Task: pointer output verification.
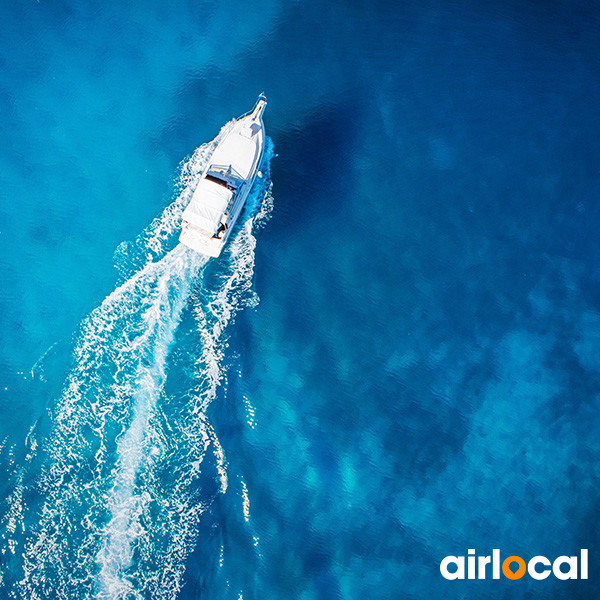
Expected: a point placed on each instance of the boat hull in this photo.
(225, 184)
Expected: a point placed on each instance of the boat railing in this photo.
(227, 172)
(232, 200)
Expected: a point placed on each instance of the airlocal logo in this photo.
(514, 567)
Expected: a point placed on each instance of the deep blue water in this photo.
(396, 359)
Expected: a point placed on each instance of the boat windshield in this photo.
(227, 183)
(217, 180)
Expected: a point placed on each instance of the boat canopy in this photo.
(207, 205)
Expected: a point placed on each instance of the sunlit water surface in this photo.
(394, 360)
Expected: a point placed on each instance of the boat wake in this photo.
(107, 503)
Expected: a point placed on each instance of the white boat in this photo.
(225, 184)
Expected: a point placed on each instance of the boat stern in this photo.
(200, 242)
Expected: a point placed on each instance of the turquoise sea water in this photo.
(397, 357)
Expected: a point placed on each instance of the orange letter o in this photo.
(519, 572)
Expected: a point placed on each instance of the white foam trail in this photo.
(94, 409)
(116, 506)
(180, 505)
(129, 335)
(161, 319)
